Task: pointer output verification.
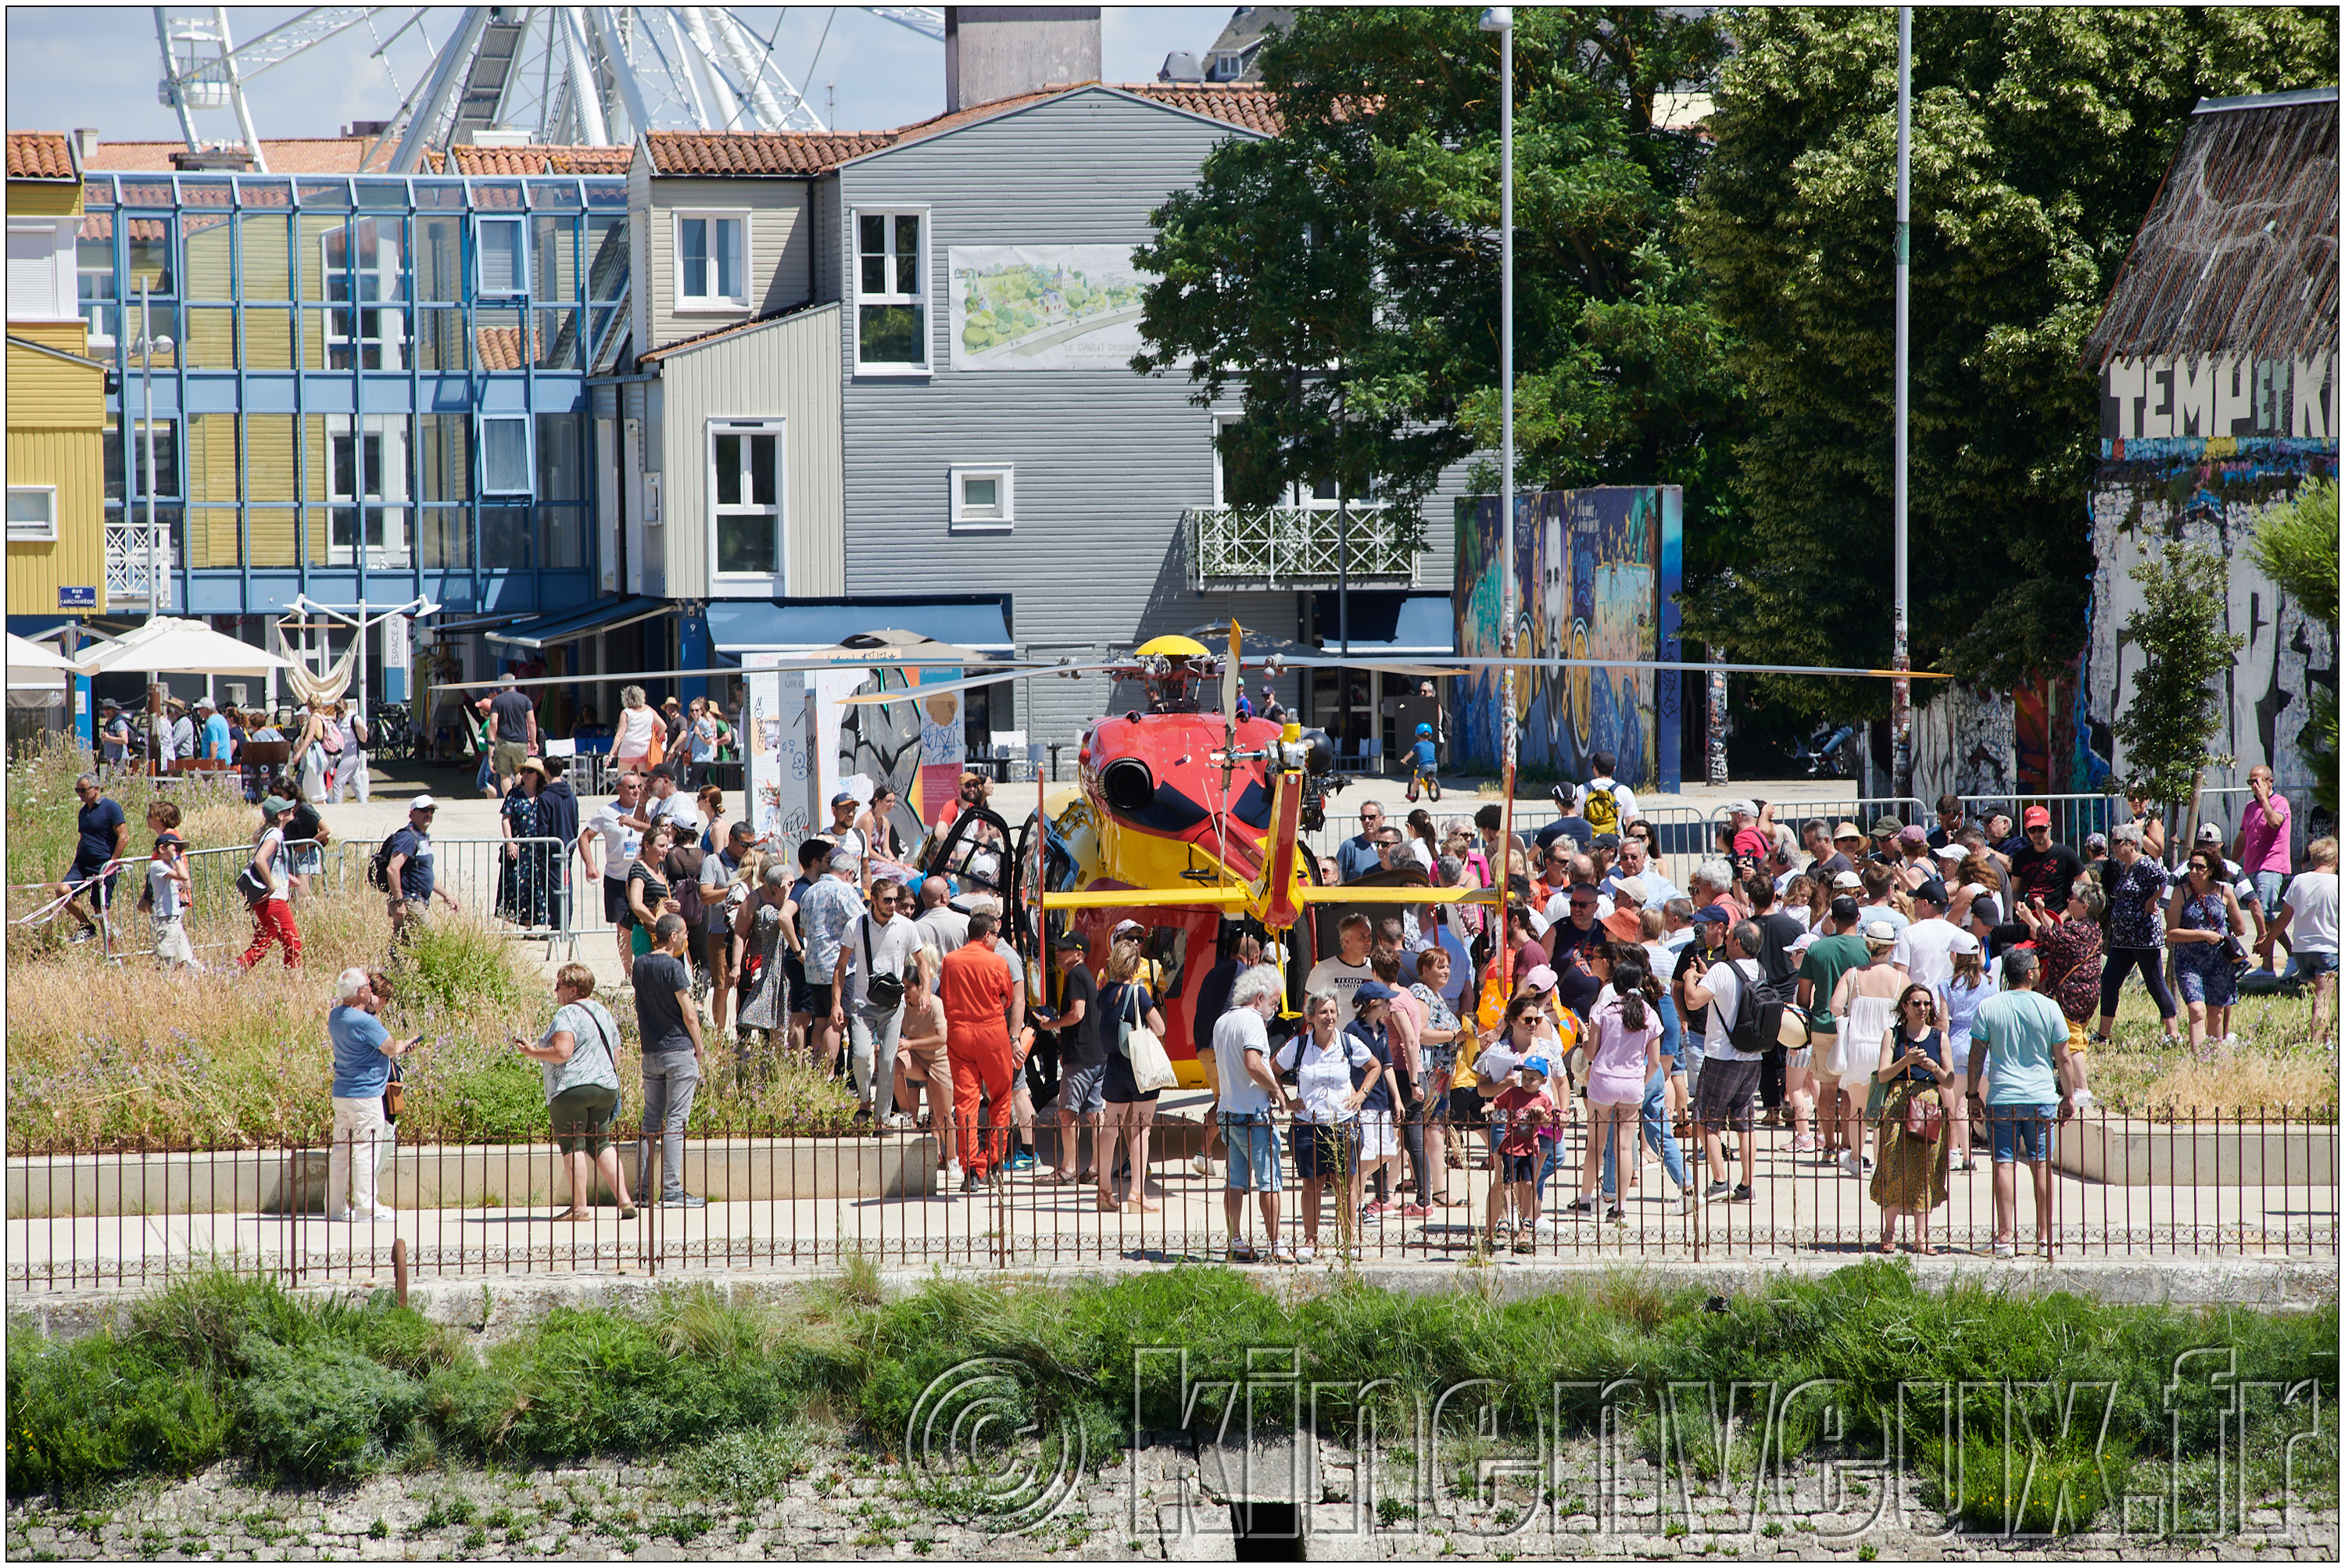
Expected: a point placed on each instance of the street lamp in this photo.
(1500, 19)
(145, 346)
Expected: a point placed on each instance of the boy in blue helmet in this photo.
(1424, 770)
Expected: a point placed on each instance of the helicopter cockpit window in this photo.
(1168, 947)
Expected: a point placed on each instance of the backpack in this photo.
(1601, 812)
(1746, 1031)
(684, 864)
(379, 863)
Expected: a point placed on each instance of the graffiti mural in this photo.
(1596, 573)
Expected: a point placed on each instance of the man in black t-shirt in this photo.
(1779, 970)
(512, 731)
(2042, 871)
(101, 834)
(1082, 1056)
(668, 1025)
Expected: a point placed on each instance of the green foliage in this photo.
(1343, 275)
(2184, 652)
(2295, 544)
(101, 1408)
(322, 1412)
(2039, 139)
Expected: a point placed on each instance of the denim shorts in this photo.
(2021, 1132)
(1522, 1168)
(2313, 965)
(1079, 1090)
(2268, 890)
(1253, 1142)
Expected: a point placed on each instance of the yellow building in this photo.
(56, 393)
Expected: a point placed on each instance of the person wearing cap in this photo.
(272, 912)
(1865, 1001)
(1958, 1003)
(1883, 834)
(1334, 1071)
(1915, 863)
(183, 732)
(1526, 1130)
(169, 891)
(827, 910)
(525, 880)
(213, 740)
(511, 729)
(409, 874)
(1827, 959)
(844, 809)
(1753, 826)
(1925, 947)
(2041, 870)
(1372, 1026)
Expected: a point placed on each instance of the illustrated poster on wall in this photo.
(1044, 307)
(780, 762)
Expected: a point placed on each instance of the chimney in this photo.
(996, 52)
(1181, 66)
(86, 143)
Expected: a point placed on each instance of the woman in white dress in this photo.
(1866, 1003)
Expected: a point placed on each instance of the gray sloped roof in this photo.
(2239, 253)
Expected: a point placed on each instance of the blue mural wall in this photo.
(1597, 575)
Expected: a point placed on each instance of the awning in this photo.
(979, 622)
(1386, 625)
(604, 615)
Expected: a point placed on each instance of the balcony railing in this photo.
(126, 557)
(1303, 547)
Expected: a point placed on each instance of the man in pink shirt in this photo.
(2261, 849)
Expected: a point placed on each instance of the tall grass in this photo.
(217, 1366)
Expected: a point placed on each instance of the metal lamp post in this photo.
(1500, 19)
(1901, 689)
(146, 345)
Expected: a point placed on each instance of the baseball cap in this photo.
(1987, 907)
(1847, 831)
(687, 821)
(168, 837)
(1844, 908)
(270, 804)
(1605, 841)
(1911, 834)
(1124, 926)
(1068, 941)
(1541, 978)
(844, 798)
(1880, 930)
(1935, 890)
(1847, 879)
(2209, 833)
(1532, 1064)
(1953, 854)
(1742, 809)
(1884, 825)
(1373, 991)
(2036, 816)
(1964, 941)
(203, 702)
(423, 803)
(1710, 914)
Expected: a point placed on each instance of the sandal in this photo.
(1108, 1205)
(571, 1215)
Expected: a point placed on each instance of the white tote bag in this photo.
(1152, 1069)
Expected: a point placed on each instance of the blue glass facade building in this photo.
(376, 388)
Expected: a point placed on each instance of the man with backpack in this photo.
(1732, 1049)
(407, 875)
(1604, 803)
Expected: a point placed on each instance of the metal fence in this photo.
(2259, 1184)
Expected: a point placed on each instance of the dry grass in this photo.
(2278, 1065)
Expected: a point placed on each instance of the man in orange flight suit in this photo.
(975, 989)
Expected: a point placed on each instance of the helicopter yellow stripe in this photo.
(1147, 897)
(1346, 895)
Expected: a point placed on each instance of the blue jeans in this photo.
(1655, 1115)
(1252, 1140)
(2022, 1132)
(670, 1078)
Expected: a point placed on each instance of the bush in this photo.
(322, 1412)
(101, 1410)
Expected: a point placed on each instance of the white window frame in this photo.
(57, 240)
(709, 304)
(33, 532)
(1294, 499)
(1006, 474)
(528, 451)
(520, 226)
(94, 308)
(381, 306)
(386, 494)
(920, 297)
(758, 585)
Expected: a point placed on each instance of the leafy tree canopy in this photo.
(1343, 275)
(2174, 717)
(2295, 544)
(2039, 138)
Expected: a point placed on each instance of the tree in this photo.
(1344, 274)
(2174, 714)
(2039, 139)
(2295, 544)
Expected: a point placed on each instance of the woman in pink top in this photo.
(2262, 852)
(1625, 1030)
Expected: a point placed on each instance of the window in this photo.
(164, 437)
(94, 275)
(359, 266)
(504, 256)
(710, 272)
(890, 320)
(744, 487)
(983, 496)
(31, 512)
(34, 294)
(504, 454)
(365, 470)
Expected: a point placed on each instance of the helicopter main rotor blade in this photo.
(1467, 665)
(783, 667)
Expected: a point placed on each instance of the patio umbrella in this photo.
(168, 645)
(33, 667)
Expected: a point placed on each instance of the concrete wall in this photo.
(996, 52)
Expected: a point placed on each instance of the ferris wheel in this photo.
(593, 75)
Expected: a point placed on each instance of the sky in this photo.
(69, 66)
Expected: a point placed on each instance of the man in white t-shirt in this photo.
(1610, 816)
(1925, 950)
(1728, 1077)
(607, 845)
(879, 941)
(2308, 918)
(1347, 968)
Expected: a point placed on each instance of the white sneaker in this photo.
(2083, 1100)
(1305, 1254)
(1201, 1165)
(1849, 1165)
(380, 1213)
(952, 1177)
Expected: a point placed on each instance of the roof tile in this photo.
(542, 159)
(718, 154)
(292, 154)
(40, 155)
(1250, 107)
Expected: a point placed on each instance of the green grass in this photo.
(733, 1394)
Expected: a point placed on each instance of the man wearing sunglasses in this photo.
(1358, 855)
(2042, 871)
